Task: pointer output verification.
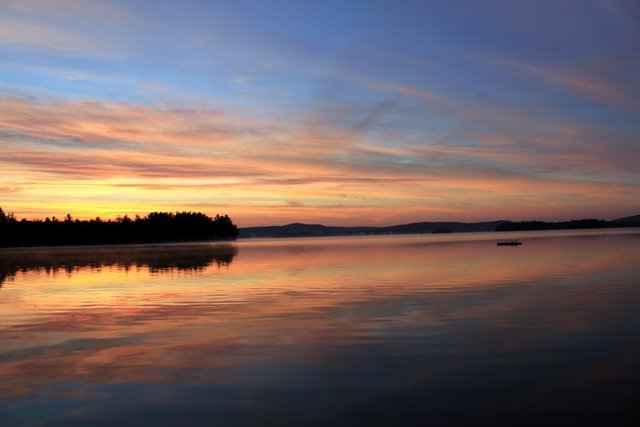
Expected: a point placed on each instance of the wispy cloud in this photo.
(58, 27)
(584, 81)
(119, 152)
(38, 36)
(238, 80)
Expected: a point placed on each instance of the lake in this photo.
(371, 330)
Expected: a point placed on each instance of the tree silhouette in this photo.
(155, 227)
(563, 225)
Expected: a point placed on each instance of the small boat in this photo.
(510, 243)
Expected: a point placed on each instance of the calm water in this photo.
(398, 330)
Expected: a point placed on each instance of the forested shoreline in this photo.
(167, 227)
(156, 227)
(574, 224)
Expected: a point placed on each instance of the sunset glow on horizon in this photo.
(340, 113)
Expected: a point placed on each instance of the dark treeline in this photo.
(156, 227)
(562, 225)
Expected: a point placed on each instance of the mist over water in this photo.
(390, 330)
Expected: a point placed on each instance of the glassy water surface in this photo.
(394, 330)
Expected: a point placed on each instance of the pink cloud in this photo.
(86, 157)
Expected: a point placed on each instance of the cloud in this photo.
(428, 96)
(7, 190)
(67, 9)
(109, 123)
(40, 36)
(237, 80)
(584, 81)
(90, 157)
(59, 27)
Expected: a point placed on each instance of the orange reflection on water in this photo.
(155, 317)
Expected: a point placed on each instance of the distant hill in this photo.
(302, 230)
(311, 230)
(634, 218)
(442, 227)
(315, 230)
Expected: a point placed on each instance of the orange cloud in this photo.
(105, 158)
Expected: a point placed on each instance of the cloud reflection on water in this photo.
(341, 331)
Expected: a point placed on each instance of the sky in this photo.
(336, 112)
